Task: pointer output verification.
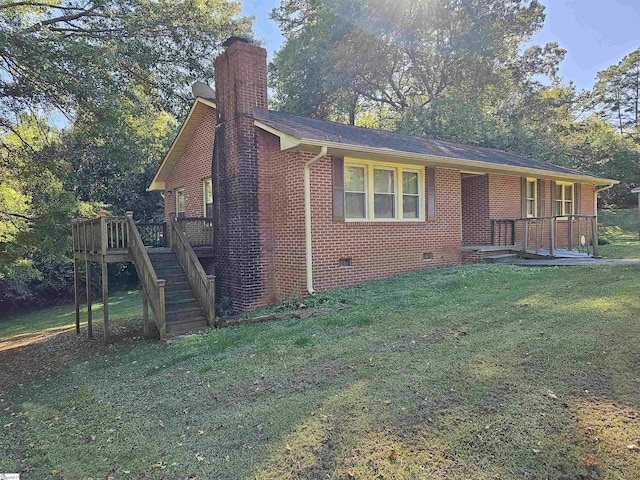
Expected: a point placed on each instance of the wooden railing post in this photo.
(525, 235)
(594, 235)
(552, 236)
(145, 315)
(211, 287)
(493, 232)
(162, 320)
(103, 232)
(570, 232)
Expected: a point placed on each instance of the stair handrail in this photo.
(202, 285)
(152, 287)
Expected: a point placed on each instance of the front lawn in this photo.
(460, 373)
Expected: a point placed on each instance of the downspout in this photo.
(595, 197)
(307, 217)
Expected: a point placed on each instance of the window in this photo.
(531, 196)
(376, 191)
(207, 190)
(180, 211)
(411, 194)
(355, 191)
(564, 199)
(384, 196)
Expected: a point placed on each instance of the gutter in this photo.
(307, 217)
(595, 197)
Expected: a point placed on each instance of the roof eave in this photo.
(288, 142)
(158, 182)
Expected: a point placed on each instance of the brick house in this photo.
(298, 204)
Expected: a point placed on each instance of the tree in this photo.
(89, 93)
(616, 94)
(403, 54)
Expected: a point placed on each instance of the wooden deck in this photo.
(107, 240)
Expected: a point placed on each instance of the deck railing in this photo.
(99, 235)
(578, 232)
(153, 289)
(153, 234)
(202, 285)
(198, 231)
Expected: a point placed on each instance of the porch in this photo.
(167, 259)
(549, 237)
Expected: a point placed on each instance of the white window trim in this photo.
(204, 194)
(184, 200)
(369, 189)
(563, 214)
(535, 196)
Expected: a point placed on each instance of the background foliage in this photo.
(90, 94)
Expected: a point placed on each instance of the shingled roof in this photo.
(319, 131)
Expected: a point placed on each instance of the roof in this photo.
(198, 110)
(301, 132)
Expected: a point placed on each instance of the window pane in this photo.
(384, 205)
(568, 192)
(531, 189)
(410, 206)
(531, 206)
(208, 191)
(354, 205)
(410, 182)
(559, 209)
(354, 179)
(558, 192)
(383, 181)
(568, 208)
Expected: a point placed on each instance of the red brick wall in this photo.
(193, 166)
(241, 85)
(376, 249)
(476, 226)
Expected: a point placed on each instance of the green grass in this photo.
(620, 228)
(124, 308)
(467, 372)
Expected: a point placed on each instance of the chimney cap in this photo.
(233, 39)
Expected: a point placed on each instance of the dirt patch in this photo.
(433, 338)
(26, 363)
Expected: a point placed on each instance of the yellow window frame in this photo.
(398, 169)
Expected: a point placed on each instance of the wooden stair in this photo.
(183, 313)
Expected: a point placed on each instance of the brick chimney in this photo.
(241, 86)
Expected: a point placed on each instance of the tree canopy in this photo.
(90, 92)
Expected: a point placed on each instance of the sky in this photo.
(595, 33)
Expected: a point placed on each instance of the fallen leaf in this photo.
(200, 432)
(393, 456)
(199, 457)
(157, 465)
(550, 394)
(351, 474)
(633, 447)
(590, 462)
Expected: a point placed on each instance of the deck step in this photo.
(197, 324)
(503, 258)
(183, 314)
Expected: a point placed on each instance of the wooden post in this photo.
(145, 315)
(525, 235)
(162, 327)
(105, 300)
(552, 236)
(594, 235)
(76, 291)
(211, 317)
(570, 232)
(89, 312)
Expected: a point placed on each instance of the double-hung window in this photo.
(180, 205)
(531, 196)
(207, 192)
(385, 192)
(564, 198)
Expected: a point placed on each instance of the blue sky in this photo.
(595, 33)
